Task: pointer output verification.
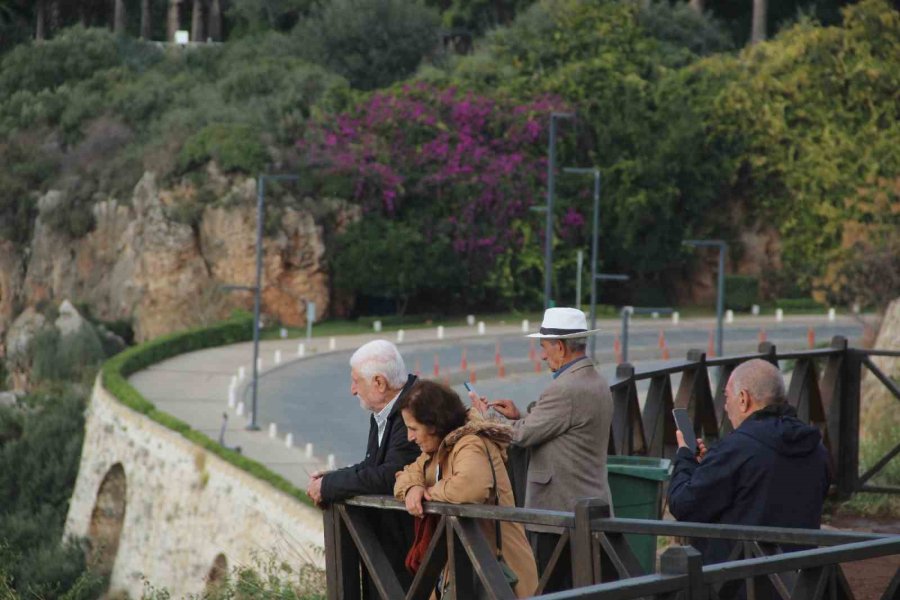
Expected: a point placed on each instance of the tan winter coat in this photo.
(466, 479)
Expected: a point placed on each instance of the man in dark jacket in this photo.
(771, 470)
(378, 378)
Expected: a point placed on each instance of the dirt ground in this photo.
(869, 578)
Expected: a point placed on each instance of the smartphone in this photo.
(684, 425)
(470, 388)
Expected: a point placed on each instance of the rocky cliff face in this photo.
(138, 264)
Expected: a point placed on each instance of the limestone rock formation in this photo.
(878, 404)
(141, 264)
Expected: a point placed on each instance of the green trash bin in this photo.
(636, 484)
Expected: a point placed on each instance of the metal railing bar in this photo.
(879, 465)
(534, 516)
(628, 589)
(771, 535)
(877, 352)
(880, 489)
(802, 559)
(887, 381)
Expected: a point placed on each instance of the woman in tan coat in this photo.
(454, 467)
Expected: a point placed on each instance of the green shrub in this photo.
(370, 42)
(741, 291)
(798, 304)
(38, 467)
(234, 147)
(55, 357)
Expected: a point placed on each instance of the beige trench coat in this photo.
(466, 479)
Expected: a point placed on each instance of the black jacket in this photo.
(772, 470)
(376, 475)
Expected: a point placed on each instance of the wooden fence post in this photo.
(583, 559)
(685, 560)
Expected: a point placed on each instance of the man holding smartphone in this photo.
(771, 470)
(567, 432)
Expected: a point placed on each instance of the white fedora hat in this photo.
(563, 324)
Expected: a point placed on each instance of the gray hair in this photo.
(761, 379)
(575, 345)
(380, 357)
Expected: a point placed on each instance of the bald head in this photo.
(760, 379)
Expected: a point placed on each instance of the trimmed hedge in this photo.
(789, 304)
(115, 374)
(741, 291)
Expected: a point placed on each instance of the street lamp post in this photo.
(720, 296)
(595, 232)
(551, 167)
(257, 289)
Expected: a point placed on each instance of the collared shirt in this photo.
(382, 416)
(563, 368)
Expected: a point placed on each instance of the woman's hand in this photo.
(414, 496)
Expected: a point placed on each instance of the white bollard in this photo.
(440, 332)
(233, 381)
(480, 327)
(729, 316)
(675, 318)
(330, 461)
(241, 372)
(278, 357)
(240, 409)
(654, 315)
(856, 308)
(525, 326)
(332, 343)
(377, 326)
(273, 430)
(779, 315)
(289, 440)
(309, 450)
(400, 334)
(470, 320)
(283, 333)
(301, 350)
(832, 315)
(232, 398)
(259, 364)
(754, 310)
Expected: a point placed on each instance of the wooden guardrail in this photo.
(603, 564)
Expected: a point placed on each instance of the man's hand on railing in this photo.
(314, 488)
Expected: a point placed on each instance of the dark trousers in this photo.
(543, 545)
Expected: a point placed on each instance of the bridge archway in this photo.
(218, 573)
(107, 519)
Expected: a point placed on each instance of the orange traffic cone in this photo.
(463, 363)
(711, 346)
(501, 370)
(437, 366)
(662, 339)
(811, 337)
(418, 370)
(762, 335)
(497, 358)
(472, 377)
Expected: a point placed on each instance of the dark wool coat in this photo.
(772, 470)
(375, 475)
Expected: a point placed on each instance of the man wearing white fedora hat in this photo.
(567, 431)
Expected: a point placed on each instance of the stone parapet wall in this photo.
(180, 507)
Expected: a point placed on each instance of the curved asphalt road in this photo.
(311, 397)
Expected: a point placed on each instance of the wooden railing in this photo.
(603, 564)
(830, 401)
